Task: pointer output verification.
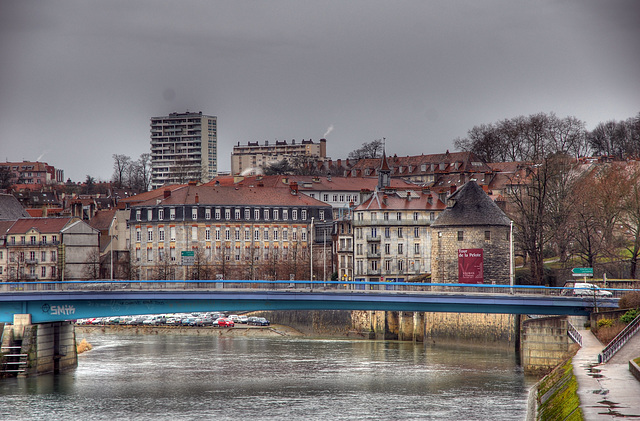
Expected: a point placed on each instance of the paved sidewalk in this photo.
(606, 391)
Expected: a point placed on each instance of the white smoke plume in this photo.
(329, 130)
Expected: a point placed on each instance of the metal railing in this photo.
(574, 334)
(618, 342)
(289, 285)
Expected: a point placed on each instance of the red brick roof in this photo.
(43, 225)
(409, 200)
(233, 195)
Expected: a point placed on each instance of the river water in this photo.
(149, 377)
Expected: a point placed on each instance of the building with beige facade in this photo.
(247, 159)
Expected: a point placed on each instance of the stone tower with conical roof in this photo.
(474, 231)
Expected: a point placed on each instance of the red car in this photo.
(223, 322)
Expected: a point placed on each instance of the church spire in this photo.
(384, 172)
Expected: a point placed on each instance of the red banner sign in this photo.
(470, 266)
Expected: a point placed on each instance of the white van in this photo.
(584, 289)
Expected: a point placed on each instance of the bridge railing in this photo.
(618, 342)
(288, 285)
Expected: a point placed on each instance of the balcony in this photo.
(31, 261)
(373, 255)
(375, 239)
(373, 271)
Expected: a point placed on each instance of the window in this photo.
(138, 235)
(217, 234)
(342, 197)
(149, 214)
(400, 265)
(161, 234)
(399, 216)
(207, 213)
(335, 197)
(43, 272)
(149, 255)
(359, 216)
(294, 214)
(325, 197)
(32, 256)
(285, 235)
(217, 213)
(247, 234)
(275, 234)
(43, 256)
(415, 216)
(149, 234)
(460, 235)
(247, 213)
(160, 214)
(374, 216)
(303, 214)
(416, 232)
(359, 249)
(172, 254)
(237, 234)
(172, 233)
(256, 234)
(387, 232)
(207, 234)
(276, 214)
(294, 234)
(285, 214)
(385, 216)
(374, 232)
(399, 232)
(172, 214)
(266, 234)
(137, 255)
(194, 213)
(416, 248)
(432, 216)
(387, 249)
(194, 233)
(138, 215)
(54, 256)
(227, 214)
(32, 239)
(54, 272)
(44, 241)
(487, 235)
(160, 254)
(400, 248)
(303, 235)
(266, 214)
(321, 215)
(374, 265)
(237, 214)
(256, 214)
(387, 265)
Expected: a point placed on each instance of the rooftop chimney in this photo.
(167, 193)
(409, 196)
(294, 188)
(197, 198)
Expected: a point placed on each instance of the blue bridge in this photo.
(70, 300)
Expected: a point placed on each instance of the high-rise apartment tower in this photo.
(183, 148)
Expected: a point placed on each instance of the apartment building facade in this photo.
(230, 232)
(247, 159)
(184, 147)
(48, 249)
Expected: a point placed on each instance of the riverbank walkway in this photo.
(606, 391)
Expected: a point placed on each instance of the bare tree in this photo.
(371, 149)
(121, 164)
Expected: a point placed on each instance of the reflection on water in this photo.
(230, 378)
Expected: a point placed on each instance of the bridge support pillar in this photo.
(406, 327)
(385, 325)
(544, 343)
(418, 326)
(33, 349)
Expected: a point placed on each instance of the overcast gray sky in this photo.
(80, 79)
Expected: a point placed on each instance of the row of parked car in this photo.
(191, 319)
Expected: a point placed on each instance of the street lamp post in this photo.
(311, 252)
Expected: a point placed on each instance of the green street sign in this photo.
(187, 254)
(582, 271)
